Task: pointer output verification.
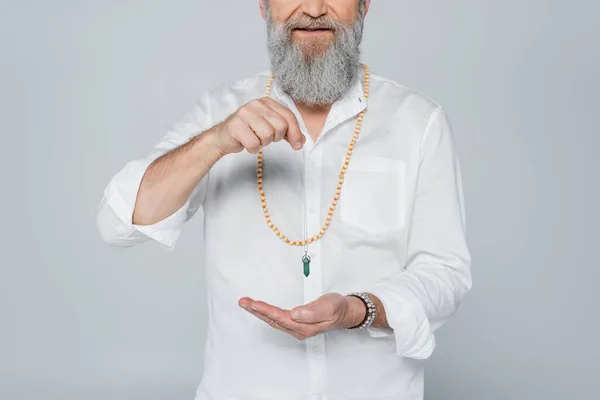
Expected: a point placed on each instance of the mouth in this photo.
(312, 30)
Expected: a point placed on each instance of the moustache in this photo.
(313, 23)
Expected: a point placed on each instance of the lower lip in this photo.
(312, 33)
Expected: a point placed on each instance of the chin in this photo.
(314, 47)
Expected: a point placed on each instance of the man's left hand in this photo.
(330, 311)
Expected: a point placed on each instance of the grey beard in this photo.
(322, 79)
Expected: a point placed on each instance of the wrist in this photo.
(207, 144)
(355, 312)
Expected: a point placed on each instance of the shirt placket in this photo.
(313, 284)
(313, 288)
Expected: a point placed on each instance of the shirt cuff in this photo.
(380, 332)
(122, 195)
(407, 320)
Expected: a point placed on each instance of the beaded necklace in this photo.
(319, 235)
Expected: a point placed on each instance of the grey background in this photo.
(86, 86)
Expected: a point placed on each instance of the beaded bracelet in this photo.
(369, 315)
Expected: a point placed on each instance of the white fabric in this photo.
(398, 232)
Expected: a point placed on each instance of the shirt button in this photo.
(317, 351)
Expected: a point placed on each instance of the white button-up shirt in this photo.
(398, 232)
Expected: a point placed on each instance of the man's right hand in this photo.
(259, 122)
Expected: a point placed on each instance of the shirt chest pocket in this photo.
(372, 198)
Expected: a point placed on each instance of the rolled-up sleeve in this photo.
(114, 216)
(437, 275)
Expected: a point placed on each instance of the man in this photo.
(334, 217)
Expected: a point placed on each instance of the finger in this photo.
(275, 325)
(262, 129)
(313, 313)
(251, 113)
(294, 134)
(283, 318)
(255, 112)
(244, 135)
(305, 315)
(244, 302)
(275, 313)
(278, 123)
(249, 140)
(260, 107)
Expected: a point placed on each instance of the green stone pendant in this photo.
(306, 262)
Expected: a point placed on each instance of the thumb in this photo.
(297, 139)
(306, 314)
